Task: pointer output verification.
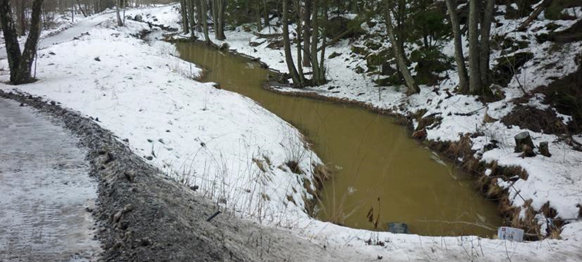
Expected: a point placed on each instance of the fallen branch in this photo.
(534, 14)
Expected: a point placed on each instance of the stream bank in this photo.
(472, 134)
(398, 180)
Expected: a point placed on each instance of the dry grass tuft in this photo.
(294, 167)
(321, 174)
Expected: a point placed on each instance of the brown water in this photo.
(375, 162)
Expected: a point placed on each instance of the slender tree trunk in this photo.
(197, 4)
(184, 7)
(323, 44)
(314, 41)
(204, 11)
(191, 5)
(221, 6)
(266, 14)
(81, 9)
(119, 21)
(485, 42)
(20, 64)
(307, 33)
(474, 53)
(287, 46)
(399, 54)
(299, 42)
(214, 10)
(124, 4)
(459, 56)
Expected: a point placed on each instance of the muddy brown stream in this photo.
(376, 164)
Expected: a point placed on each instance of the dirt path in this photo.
(44, 190)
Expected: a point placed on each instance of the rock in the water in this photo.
(523, 142)
(545, 149)
(398, 228)
(138, 18)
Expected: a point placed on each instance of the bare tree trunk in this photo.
(213, 5)
(299, 42)
(204, 20)
(191, 16)
(287, 46)
(258, 14)
(20, 64)
(459, 56)
(474, 71)
(316, 78)
(266, 14)
(21, 14)
(81, 9)
(124, 3)
(306, 33)
(184, 8)
(219, 23)
(119, 21)
(399, 54)
(323, 43)
(10, 39)
(485, 42)
(196, 4)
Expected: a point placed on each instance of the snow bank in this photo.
(227, 145)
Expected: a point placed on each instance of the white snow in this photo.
(214, 138)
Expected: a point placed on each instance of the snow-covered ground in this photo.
(236, 151)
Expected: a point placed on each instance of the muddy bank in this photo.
(144, 216)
